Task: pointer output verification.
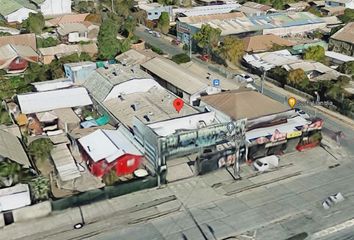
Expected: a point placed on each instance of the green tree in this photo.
(164, 22)
(181, 58)
(108, 44)
(296, 77)
(347, 68)
(278, 73)
(12, 173)
(40, 187)
(316, 53)
(348, 16)
(232, 49)
(40, 149)
(278, 4)
(34, 23)
(46, 42)
(207, 37)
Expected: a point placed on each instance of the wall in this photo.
(341, 47)
(31, 212)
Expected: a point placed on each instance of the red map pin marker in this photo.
(178, 104)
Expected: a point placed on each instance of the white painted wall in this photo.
(56, 7)
(19, 16)
(132, 86)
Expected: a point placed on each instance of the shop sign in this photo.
(293, 134)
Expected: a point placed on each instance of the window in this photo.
(130, 162)
(156, 13)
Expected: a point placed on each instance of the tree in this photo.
(347, 68)
(316, 53)
(129, 26)
(40, 188)
(207, 37)
(296, 77)
(40, 149)
(46, 42)
(12, 173)
(107, 41)
(278, 4)
(34, 23)
(164, 22)
(348, 16)
(278, 73)
(232, 49)
(181, 58)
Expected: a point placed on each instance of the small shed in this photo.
(14, 197)
(67, 119)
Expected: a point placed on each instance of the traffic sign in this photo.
(216, 82)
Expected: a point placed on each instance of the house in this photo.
(271, 127)
(15, 58)
(68, 18)
(79, 72)
(297, 6)
(11, 148)
(37, 102)
(53, 7)
(340, 3)
(107, 150)
(47, 55)
(317, 4)
(343, 40)
(154, 10)
(78, 32)
(14, 197)
(12, 31)
(258, 6)
(263, 43)
(22, 39)
(204, 10)
(135, 57)
(16, 11)
(333, 11)
(338, 58)
(184, 83)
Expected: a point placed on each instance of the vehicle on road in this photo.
(332, 200)
(244, 78)
(266, 163)
(302, 113)
(250, 86)
(156, 34)
(148, 30)
(175, 42)
(204, 57)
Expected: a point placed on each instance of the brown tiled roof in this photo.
(262, 43)
(346, 34)
(22, 39)
(244, 103)
(70, 18)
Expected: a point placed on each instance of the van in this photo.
(266, 163)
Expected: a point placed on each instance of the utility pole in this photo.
(190, 46)
(262, 80)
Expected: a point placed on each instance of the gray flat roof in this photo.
(11, 147)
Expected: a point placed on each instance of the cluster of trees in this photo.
(348, 16)
(34, 23)
(315, 53)
(181, 58)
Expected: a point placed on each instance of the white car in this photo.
(244, 78)
(156, 34)
(148, 30)
(302, 113)
(266, 163)
(332, 200)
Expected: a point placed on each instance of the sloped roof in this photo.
(11, 147)
(262, 43)
(346, 34)
(22, 39)
(67, 28)
(109, 144)
(69, 18)
(9, 6)
(63, 49)
(50, 100)
(240, 104)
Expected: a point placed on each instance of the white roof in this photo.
(64, 162)
(52, 84)
(50, 100)
(14, 197)
(206, 10)
(108, 144)
(283, 128)
(339, 56)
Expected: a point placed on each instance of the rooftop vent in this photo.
(146, 117)
(121, 97)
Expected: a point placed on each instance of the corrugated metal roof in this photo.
(50, 100)
(11, 147)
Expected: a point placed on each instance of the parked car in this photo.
(156, 34)
(244, 78)
(332, 200)
(175, 42)
(148, 30)
(204, 57)
(302, 113)
(250, 86)
(266, 163)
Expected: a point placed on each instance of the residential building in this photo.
(53, 7)
(52, 84)
(338, 58)
(204, 10)
(333, 11)
(69, 18)
(263, 43)
(154, 10)
(237, 23)
(16, 10)
(343, 40)
(80, 71)
(178, 80)
(15, 58)
(78, 32)
(47, 55)
(258, 6)
(135, 57)
(272, 128)
(340, 3)
(297, 6)
(107, 150)
(211, 2)
(22, 39)
(317, 4)
(12, 31)
(14, 197)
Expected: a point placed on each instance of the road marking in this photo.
(334, 229)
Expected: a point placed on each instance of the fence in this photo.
(104, 193)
